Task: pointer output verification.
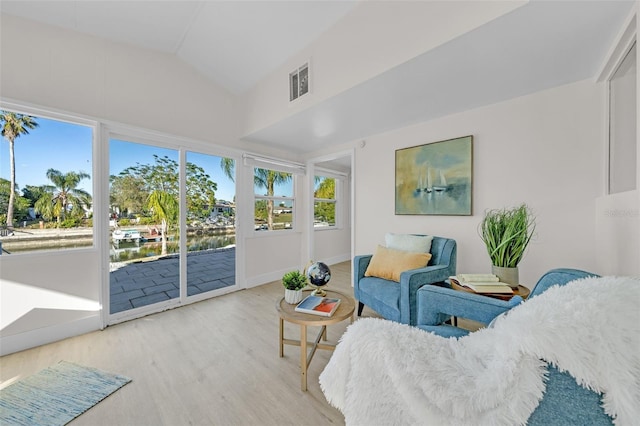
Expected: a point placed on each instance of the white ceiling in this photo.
(540, 45)
(235, 43)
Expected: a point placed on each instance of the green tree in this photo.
(13, 126)
(21, 207)
(326, 188)
(64, 198)
(262, 178)
(136, 183)
(127, 193)
(33, 193)
(323, 210)
(201, 191)
(164, 208)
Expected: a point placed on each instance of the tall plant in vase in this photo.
(506, 234)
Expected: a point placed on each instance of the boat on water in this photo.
(443, 184)
(126, 235)
(424, 182)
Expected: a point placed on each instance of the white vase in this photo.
(506, 275)
(292, 296)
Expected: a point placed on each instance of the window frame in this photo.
(620, 49)
(334, 201)
(340, 180)
(251, 162)
(79, 120)
(614, 145)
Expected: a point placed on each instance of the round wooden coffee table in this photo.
(287, 312)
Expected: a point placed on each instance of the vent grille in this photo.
(299, 82)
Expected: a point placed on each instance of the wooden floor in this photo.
(210, 363)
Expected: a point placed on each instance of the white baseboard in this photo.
(42, 336)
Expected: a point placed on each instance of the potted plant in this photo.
(506, 234)
(293, 282)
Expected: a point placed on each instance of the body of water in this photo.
(127, 251)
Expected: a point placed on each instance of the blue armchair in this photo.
(397, 301)
(565, 402)
(435, 305)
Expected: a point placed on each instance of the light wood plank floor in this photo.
(210, 363)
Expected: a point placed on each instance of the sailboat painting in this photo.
(435, 178)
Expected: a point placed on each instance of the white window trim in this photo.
(617, 53)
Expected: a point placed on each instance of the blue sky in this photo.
(51, 145)
(67, 147)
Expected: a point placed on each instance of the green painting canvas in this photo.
(435, 178)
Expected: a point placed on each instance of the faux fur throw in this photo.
(384, 373)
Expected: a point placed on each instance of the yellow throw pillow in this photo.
(389, 263)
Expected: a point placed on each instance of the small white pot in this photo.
(292, 296)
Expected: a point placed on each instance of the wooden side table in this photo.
(287, 313)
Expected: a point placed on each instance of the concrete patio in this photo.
(144, 283)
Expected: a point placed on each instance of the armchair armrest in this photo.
(360, 264)
(436, 303)
(411, 281)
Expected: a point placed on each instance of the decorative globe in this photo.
(319, 275)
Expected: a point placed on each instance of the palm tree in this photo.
(64, 196)
(164, 208)
(13, 126)
(262, 178)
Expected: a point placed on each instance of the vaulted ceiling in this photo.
(540, 45)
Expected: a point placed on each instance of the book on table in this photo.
(318, 305)
(482, 283)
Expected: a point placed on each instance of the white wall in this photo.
(52, 67)
(544, 149)
(56, 69)
(374, 37)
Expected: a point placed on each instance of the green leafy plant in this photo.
(294, 280)
(506, 234)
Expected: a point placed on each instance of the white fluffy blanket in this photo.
(388, 373)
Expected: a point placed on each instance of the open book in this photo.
(482, 283)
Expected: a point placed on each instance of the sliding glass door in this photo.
(211, 224)
(152, 239)
(144, 212)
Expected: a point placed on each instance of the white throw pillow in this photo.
(408, 242)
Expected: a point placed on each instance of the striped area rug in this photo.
(56, 395)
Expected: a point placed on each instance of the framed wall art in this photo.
(435, 178)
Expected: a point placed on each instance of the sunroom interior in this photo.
(530, 81)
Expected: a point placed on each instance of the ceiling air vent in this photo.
(299, 82)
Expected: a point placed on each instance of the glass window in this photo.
(324, 205)
(623, 126)
(274, 200)
(46, 184)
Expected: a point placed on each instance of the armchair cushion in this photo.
(409, 242)
(389, 263)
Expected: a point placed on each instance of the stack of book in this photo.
(482, 283)
(317, 305)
